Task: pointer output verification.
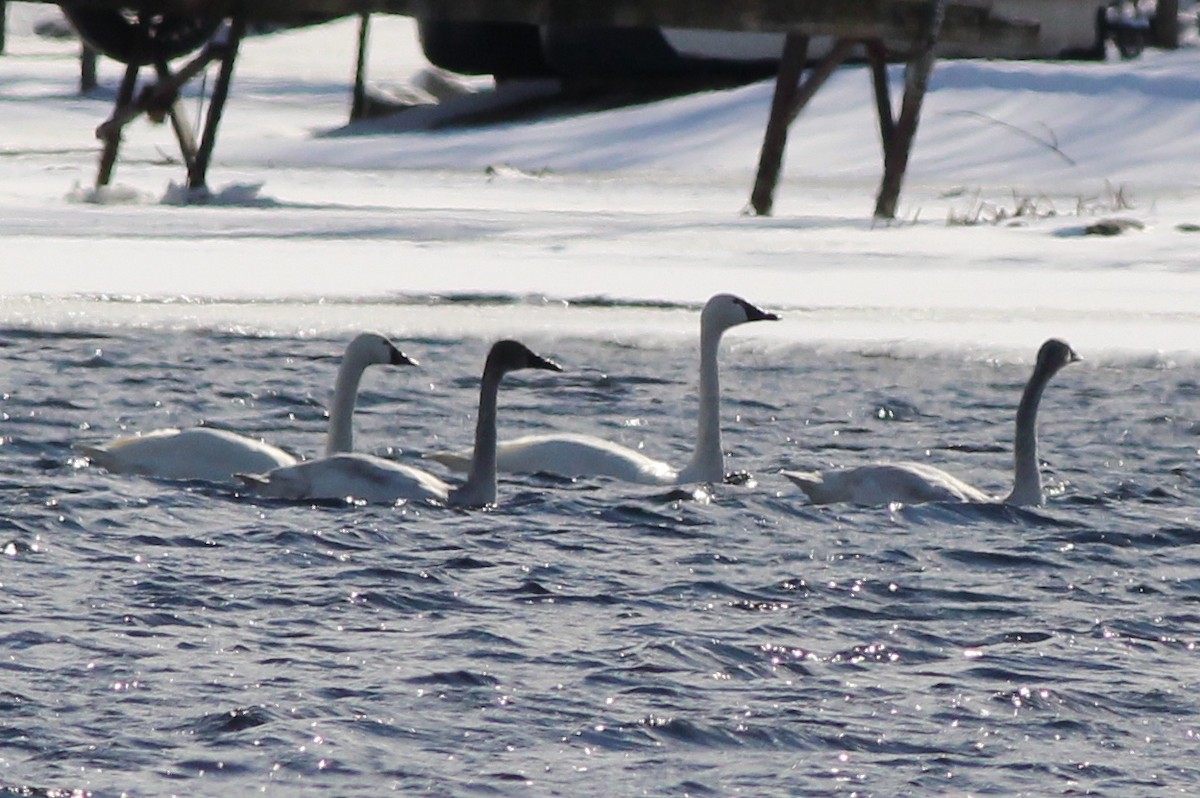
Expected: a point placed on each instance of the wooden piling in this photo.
(789, 100)
(916, 83)
(179, 119)
(877, 58)
(111, 134)
(358, 101)
(1165, 31)
(198, 174)
(770, 160)
(87, 68)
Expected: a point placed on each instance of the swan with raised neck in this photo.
(366, 349)
(912, 483)
(369, 478)
(215, 455)
(570, 454)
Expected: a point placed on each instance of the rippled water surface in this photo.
(589, 636)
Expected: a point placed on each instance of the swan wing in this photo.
(459, 462)
(203, 453)
(909, 483)
(811, 482)
(570, 455)
(359, 476)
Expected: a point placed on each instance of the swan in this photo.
(215, 455)
(912, 483)
(569, 454)
(376, 479)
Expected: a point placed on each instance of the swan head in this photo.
(726, 310)
(372, 348)
(1055, 354)
(508, 355)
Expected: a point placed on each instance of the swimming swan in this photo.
(216, 455)
(913, 483)
(376, 479)
(569, 454)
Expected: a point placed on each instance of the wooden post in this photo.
(877, 56)
(179, 119)
(358, 101)
(788, 102)
(111, 135)
(770, 159)
(87, 68)
(916, 82)
(198, 173)
(1166, 24)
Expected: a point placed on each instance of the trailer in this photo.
(805, 41)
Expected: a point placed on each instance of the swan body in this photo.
(913, 483)
(195, 453)
(346, 475)
(215, 455)
(883, 483)
(577, 454)
(568, 454)
(376, 479)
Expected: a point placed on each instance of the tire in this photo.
(1130, 42)
(635, 54)
(506, 50)
(132, 37)
(595, 52)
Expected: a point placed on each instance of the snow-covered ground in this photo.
(318, 232)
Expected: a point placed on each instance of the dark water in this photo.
(592, 637)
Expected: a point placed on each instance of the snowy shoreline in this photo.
(640, 203)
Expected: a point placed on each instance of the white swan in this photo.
(376, 479)
(216, 455)
(912, 483)
(572, 455)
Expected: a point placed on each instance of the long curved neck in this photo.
(480, 487)
(340, 437)
(708, 461)
(1027, 477)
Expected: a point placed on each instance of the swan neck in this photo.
(1027, 478)
(480, 487)
(708, 462)
(340, 436)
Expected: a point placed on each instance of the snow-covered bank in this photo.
(639, 203)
